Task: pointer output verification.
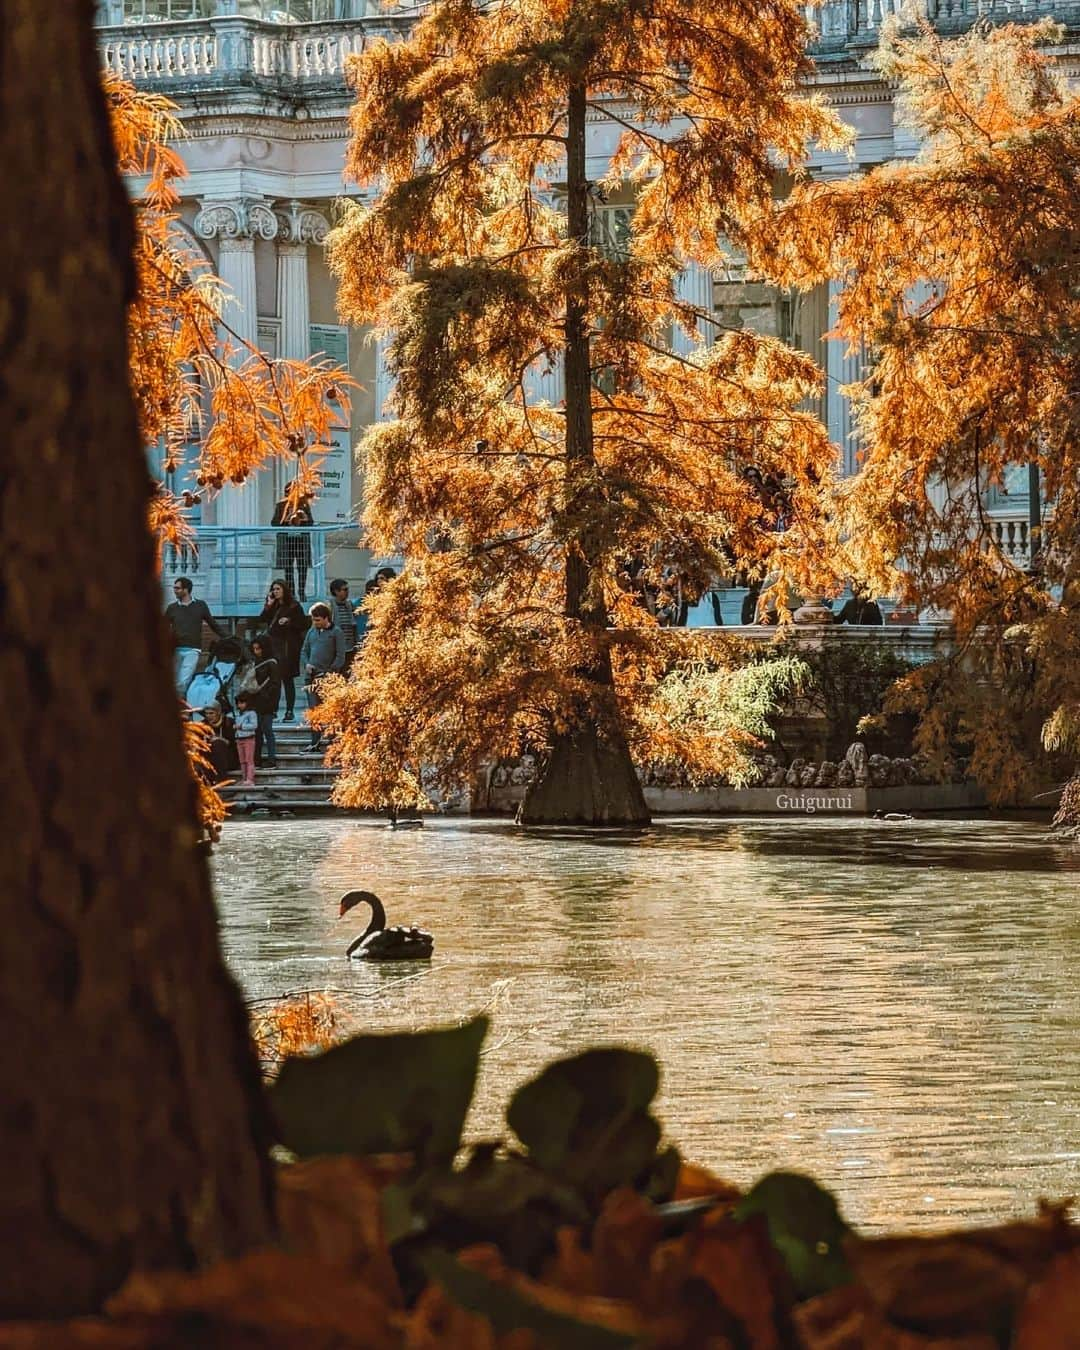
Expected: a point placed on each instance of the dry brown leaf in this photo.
(331, 1209)
(182, 1333)
(84, 1334)
(739, 1268)
(625, 1234)
(846, 1319)
(616, 1314)
(961, 1284)
(697, 1183)
(438, 1324)
(1050, 1316)
(271, 1292)
(572, 1267)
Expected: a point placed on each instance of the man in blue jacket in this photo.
(323, 652)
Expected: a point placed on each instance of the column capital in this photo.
(237, 218)
(300, 224)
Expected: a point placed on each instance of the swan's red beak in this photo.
(342, 910)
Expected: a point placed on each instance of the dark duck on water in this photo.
(379, 943)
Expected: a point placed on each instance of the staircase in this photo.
(299, 785)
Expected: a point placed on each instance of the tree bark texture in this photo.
(589, 778)
(131, 1125)
(586, 780)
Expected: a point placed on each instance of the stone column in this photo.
(843, 367)
(811, 325)
(298, 226)
(694, 286)
(384, 381)
(544, 382)
(236, 224)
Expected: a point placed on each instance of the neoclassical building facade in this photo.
(261, 93)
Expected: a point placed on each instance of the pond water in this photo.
(892, 1007)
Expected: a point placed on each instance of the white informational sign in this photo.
(333, 505)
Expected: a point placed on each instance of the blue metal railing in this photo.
(232, 568)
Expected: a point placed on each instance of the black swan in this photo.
(379, 943)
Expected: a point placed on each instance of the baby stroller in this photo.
(213, 685)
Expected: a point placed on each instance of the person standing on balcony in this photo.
(185, 617)
(285, 627)
(293, 553)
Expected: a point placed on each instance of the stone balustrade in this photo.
(1012, 536)
(226, 50)
(839, 22)
(234, 49)
(916, 643)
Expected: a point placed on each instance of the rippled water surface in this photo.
(895, 1008)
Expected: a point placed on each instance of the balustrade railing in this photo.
(916, 643)
(1011, 536)
(229, 47)
(223, 49)
(841, 21)
(231, 568)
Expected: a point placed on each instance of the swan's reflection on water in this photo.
(893, 1007)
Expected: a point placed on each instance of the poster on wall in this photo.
(334, 503)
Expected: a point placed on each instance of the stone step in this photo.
(281, 790)
(289, 772)
(297, 807)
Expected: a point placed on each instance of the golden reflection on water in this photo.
(891, 1007)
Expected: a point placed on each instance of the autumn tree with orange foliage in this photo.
(210, 400)
(961, 274)
(512, 625)
(201, 392)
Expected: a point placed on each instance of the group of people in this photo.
(669, 598)
(292, 645)
(860, 609)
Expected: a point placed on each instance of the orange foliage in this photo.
(296, 1024)
(201, 393)
(961, 278)
(518, 519)
(199, 390)
(211, 807)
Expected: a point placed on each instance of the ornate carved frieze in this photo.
(300, 224)
(245, 218)
(240, 218)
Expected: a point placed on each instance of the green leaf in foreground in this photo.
(805, 1227)
(587, 1117)
(507, 1310)
(406, 1093)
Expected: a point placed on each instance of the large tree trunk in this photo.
(589, 778)
(586, 781)
(131, 1130)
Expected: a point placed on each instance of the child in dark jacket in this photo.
(266, 698)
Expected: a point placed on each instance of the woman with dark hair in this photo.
(286, 623)
(266, 698)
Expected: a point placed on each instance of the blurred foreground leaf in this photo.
(804, 1226)
(587, 1118)
(406, 1093)
(508, 1310)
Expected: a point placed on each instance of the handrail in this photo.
(232, 566)
(216, 50)
(233, 47)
